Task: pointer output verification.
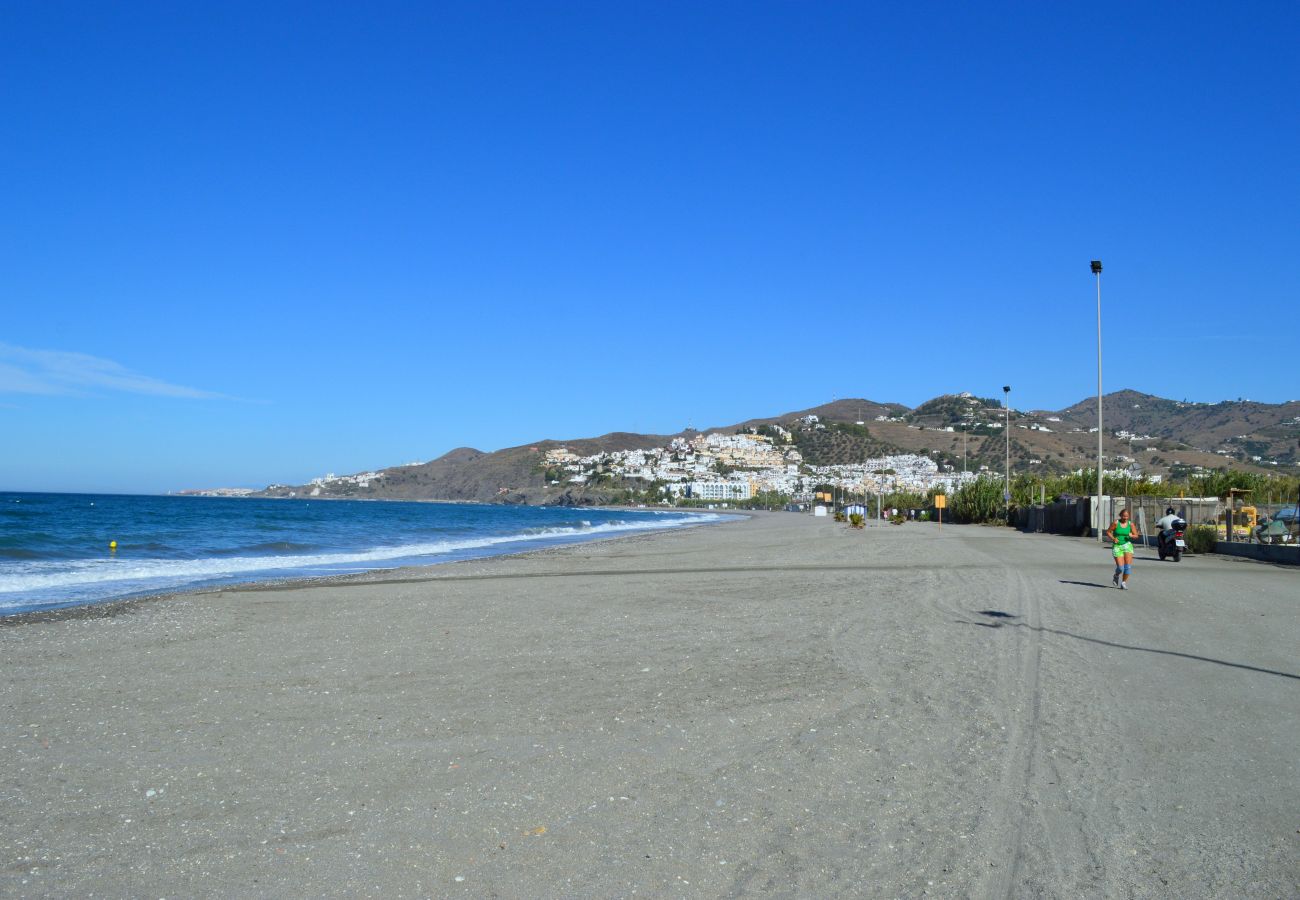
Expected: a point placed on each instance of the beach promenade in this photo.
(776, 707)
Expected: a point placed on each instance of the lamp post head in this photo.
(1006, 388)
(1096, 267)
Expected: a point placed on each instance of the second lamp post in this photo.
(1006, 401)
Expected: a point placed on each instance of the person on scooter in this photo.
(1167, 535)
(1122, 532)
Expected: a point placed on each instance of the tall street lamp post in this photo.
(965, 429)
(1006, 401)
(1096, 270)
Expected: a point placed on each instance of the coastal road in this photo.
(777, 707)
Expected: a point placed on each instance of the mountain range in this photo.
(1151, 434)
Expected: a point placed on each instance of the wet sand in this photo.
(780, 706)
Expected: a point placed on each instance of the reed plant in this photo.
(980, 501)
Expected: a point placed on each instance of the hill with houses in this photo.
(945, 436)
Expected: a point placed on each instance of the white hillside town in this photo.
(771, 463)
(718, 466)
(333, 482)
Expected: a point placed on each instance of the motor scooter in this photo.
(1171, 542)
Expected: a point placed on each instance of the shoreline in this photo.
(112, 608)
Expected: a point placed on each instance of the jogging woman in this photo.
(1122, 533)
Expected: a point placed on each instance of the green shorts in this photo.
(1122, 548)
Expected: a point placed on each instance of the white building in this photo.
(734, 489)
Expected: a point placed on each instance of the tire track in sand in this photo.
(1044, 833)
(1021, 773)
(1014, 811)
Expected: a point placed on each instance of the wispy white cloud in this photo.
(26, 371)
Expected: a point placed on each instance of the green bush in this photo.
(839, 517)
(1201, 538)
(980, 501)
(897, 519)
(856, 520)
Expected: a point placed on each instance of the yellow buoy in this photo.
(112, 545)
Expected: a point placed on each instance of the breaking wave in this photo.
(27, 584)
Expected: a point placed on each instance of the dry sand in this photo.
(778, 707)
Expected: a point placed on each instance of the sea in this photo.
(55, 549)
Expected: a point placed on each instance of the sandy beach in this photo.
(775, 707)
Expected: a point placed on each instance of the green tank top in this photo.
(1122, 533)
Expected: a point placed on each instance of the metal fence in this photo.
(1146, 511)
(1078, 517)
(1249, 521)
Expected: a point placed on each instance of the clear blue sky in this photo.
(252, 242)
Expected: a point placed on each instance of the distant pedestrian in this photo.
(1122, 532)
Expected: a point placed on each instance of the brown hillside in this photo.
(1177, 436)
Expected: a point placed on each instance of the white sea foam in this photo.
(36, 580)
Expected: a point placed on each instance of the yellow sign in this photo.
(940, 501)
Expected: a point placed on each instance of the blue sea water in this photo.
(54, 548)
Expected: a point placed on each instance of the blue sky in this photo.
(246, 243)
